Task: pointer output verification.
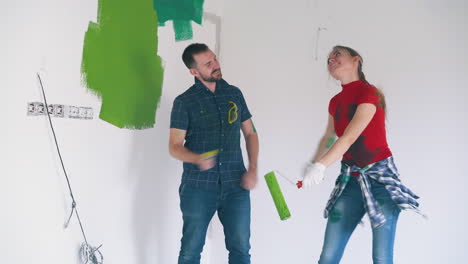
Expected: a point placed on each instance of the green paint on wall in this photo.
(182, 30)
(181, 12)
(120, 62)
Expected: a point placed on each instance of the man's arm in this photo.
(178, 151)
(249, 180)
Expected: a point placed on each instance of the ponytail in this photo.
(380, 94)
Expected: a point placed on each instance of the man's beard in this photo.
(211, 78)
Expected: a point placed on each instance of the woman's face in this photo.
(341, 63)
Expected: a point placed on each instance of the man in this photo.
(209, 117)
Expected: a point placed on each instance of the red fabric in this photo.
(371, 146)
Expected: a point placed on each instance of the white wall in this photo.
(416, 52)
(126, 183)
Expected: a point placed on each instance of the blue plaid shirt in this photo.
(213, 122)
(384, 172)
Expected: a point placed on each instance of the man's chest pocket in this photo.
(204, 117)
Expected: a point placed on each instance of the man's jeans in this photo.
(347, 213)
(198, 207)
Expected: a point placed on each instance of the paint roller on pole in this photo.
(298, 184)
(210, 154)
(277, 195)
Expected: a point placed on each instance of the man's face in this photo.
(207, 67)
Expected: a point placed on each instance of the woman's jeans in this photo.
(348, 212)
(198, 207)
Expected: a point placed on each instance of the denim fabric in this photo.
(198, 207)
(348, 211)
(383, 172)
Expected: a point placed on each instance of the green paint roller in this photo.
(210, 154)
(277, 195)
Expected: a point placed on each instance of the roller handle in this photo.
(299, 184)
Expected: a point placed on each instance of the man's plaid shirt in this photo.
(212, 122)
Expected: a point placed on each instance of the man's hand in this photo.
(249, 179)
(205, 163)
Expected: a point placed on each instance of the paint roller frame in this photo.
(277, 195)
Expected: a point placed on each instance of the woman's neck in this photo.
(348, 79)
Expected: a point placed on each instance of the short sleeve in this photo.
(332, 105)
(369, 95)
(245, 113)
(179, 115)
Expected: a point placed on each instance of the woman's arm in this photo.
(314, 172)
(364, 114)
(326, 141)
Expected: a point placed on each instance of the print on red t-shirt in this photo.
(371, 146)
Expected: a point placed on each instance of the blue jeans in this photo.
(348, 212)
(198, 207)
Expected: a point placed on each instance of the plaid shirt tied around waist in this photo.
(384, 172)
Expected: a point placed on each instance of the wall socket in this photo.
(59, 110)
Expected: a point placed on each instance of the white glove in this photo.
(314, 172)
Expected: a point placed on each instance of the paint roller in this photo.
(210, 154)
(277, 195)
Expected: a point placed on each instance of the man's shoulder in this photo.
(231, 88)
(188, 94)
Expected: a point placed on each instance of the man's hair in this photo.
(191, 50)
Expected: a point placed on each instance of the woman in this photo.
(369, 181)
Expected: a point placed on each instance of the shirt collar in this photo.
(352, 85)
(219, 84)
